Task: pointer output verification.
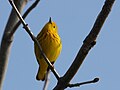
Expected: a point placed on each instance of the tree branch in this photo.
(83, 83)
(24, 16)
(7, 39)
(47, 79)
(25, 26)
(88, 43)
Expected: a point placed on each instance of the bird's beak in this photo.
(50, 21)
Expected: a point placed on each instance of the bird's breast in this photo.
(51, 45)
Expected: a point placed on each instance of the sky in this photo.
(74, 21)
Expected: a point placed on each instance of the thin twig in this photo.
(25, 15)
(47, 80)
(83, 83)
(25, 26)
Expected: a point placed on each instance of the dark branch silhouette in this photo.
(88, 43)
(83, 83)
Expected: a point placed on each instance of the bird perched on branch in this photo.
(51, 45)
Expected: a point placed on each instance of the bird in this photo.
(51, 45)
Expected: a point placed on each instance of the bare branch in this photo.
(88, 43)
(47, 79)
(83, 83)
(7, 39)
(25, 15)
(25, 26)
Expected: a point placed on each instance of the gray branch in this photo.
(11, 27)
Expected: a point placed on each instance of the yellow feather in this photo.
(51, 45)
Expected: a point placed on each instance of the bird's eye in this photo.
(53, 26)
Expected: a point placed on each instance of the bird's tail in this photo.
(41, 74)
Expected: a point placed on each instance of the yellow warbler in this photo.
(51, 45)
